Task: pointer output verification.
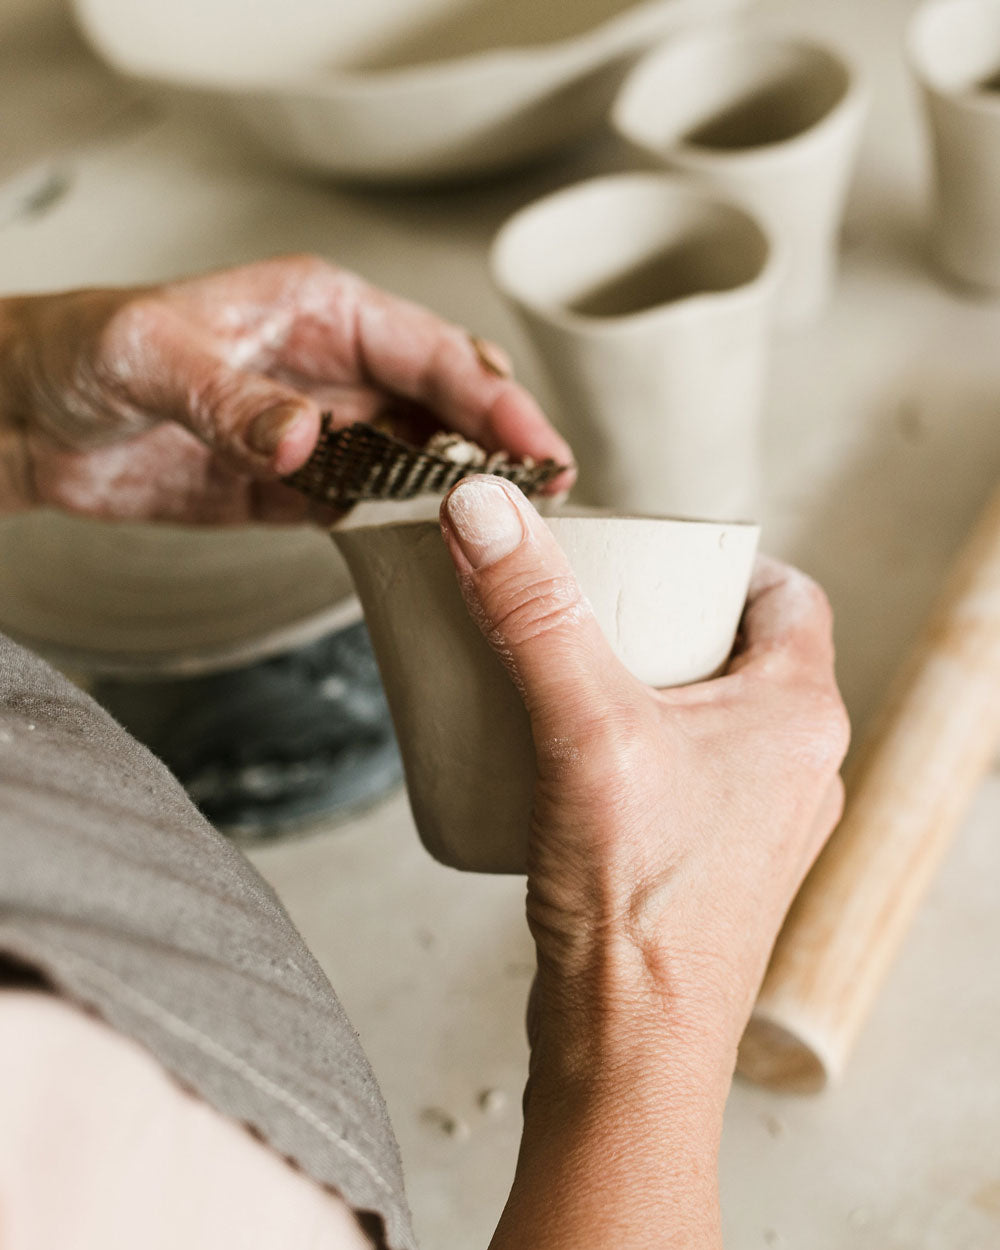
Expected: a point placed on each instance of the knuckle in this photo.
(125, 347)
(776, 665)
(303, 265)
(130, 327)
(821, 608)
(618, 750)
(821, 729)
(830, 718)
(211, 393)
(620, 736)
(524, 612)
(608, 750)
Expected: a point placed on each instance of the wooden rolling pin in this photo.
(908, 791)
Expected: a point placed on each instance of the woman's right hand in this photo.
(671, 830)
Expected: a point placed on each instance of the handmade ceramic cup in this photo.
(668, 595)
(649, 303)
(772, 122)
(954, 53)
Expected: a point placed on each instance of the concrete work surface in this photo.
(882, 442)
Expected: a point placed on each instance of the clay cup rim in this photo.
(570, 515)
(567, 256)
(810, 90)
(953, 50)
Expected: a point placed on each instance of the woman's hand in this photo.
(671, 831)
(189, 401)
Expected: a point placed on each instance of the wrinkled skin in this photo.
(188, 401)
(671, 830)
(671, 827)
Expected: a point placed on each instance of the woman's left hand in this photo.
(189, 402)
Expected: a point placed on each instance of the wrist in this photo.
(655, 1069)
(624, 1006)
(622, 1153)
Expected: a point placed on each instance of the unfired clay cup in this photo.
(773, 122)
(649, 303)
(954, 53)
(668, 595)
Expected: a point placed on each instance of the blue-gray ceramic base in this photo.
(275, 747)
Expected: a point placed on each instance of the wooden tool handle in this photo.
(907, 793)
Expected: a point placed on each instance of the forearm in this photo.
(625, 1158)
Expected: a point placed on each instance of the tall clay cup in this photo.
(773, 122)
(954, 54)
(649, 304)
(668, 595)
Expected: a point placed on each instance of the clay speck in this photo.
(493, 1102)
(774, 1126)
(559, 750)
(445, 1123)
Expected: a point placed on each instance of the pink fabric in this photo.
(101, 1150)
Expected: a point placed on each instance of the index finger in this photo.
(410, 351)
(787, 614)
(336, 328)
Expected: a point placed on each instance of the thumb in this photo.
(256, 423)
(523, 595)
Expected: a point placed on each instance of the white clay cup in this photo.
(649, 303)
(771, 121)
(953, 49)
(668, 595)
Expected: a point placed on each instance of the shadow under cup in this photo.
(648, 302)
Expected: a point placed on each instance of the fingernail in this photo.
(485, 519)
(268, 428)
(493, 358)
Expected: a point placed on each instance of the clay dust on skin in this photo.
(254, 335)
(474, 509)
(795, 600)
(785, 600)
(493, 527)
(559, 750)
(482, 622)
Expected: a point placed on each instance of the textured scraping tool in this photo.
(362, 462)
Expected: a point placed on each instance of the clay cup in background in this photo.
(953, 48)
(668, 595)
(772, 121)
(649, 303)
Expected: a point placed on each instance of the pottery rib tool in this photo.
(361, 462)
(907, 793)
